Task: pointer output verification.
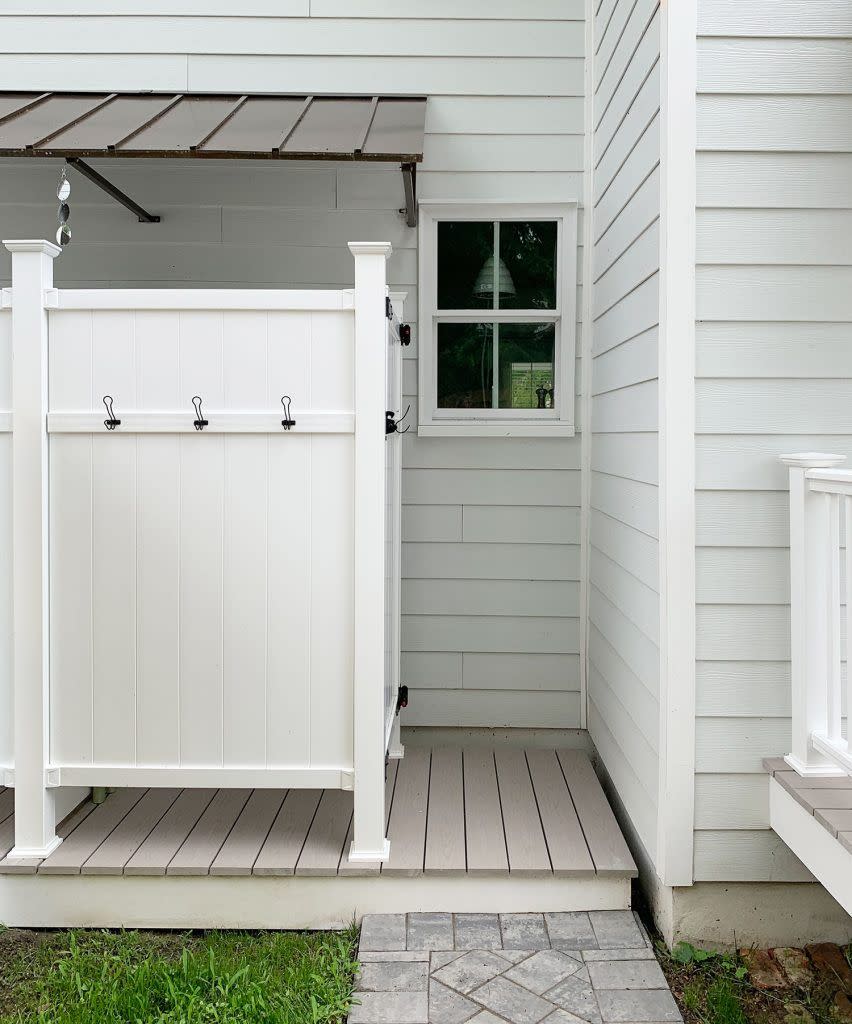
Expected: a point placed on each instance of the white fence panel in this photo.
(6, 706)
(201, 581)
(393, 526)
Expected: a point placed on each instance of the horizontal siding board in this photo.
(635, 456)
(432, 669)
(733, 518)
(743, 633)
(490, 487)
(631, 409)
(67, 72)
(643, 758)
(767, 293)
(773, 406)
(632, 597)
(638, 213)
(750, 462)
(633, 362)
(503, 153)
(742, 575)
(296, 36)
(608, 668)
(521, 671)
(774, 180)
(490, 597)
(519, 524)
(734, 689)
(439, 76)
(490, 453)
(793, 237)
(763, 350)
(432, 523)
(637, 312)
(496, 709)
(629, 501)
(490, 634)
(784, 123)
(739, 745)
(774, 18)
(635, 551)
(789, 66)
(613, 103)
(746, 856)
(727, 802)
(503, 115)
(636, 264)
(491, 561)
(639, 165)
(637, 650)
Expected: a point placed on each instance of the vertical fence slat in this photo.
(847, 505)
(833, 653)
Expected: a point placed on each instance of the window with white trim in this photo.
(497, 318)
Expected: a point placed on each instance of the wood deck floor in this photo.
(478, 811)
(828, 799)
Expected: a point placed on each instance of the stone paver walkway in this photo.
(561, 968)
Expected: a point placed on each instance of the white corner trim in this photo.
(585, 425)
(676, 798)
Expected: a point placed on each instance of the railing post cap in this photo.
(812, 460)
(371, 248)
(32, 245)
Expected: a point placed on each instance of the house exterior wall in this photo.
(774, 374)
(491, 526)
(624, 587)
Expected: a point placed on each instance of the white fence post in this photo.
(369, 840)
(811, 590)
(32, 273)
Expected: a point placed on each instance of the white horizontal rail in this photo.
(298, 777)
(218, 422)
(820, 500)
(303, 300)
(5, 421)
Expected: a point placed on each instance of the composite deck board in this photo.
(407, 830)
(156, 852)
(606, 844)
(324, 845)
(241, 848)
(211, 830)
(368, 867)
(280, 852)
(70, 857)
(445, 842)
(524, 833)
(486, 838)
(126, 838)
(566, 843)
(448, 811)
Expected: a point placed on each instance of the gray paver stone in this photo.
(383, 932)
(524, 931)
(571, 931)
(486, 1017)
(390, 1008)
(402, 976)
(515, 956)
(478, 931)
(397, 956)
(543, 970)
(645, 953)
(649, 1005)
(511, 1001)
(471, 970)
(562, 1017)
(626, 974)
(576, 996)
(448, 1007)
(430, 931)
(616, 928)
(441, 957)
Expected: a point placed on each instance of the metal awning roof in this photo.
(56, 124)
(74, 125)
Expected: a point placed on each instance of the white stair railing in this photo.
(820, 496)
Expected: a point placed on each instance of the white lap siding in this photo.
(624, 607)
(491, 526)
(774, 369)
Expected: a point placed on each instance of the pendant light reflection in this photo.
(484, 286)
(63, 192)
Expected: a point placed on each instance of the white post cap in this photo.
(812, 460)
(370, 248)
(32, 245)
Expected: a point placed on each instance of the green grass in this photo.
(155, 978)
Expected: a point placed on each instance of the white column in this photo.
(35, 816)
(810, 538)
(369, 840)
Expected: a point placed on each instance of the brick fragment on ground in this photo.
(842, 1008)
(831, 964)
(795, 1013)
(763, 972)
(794, 964)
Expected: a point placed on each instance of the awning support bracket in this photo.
(409, 184)
(112, 190)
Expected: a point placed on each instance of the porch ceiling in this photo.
(54, 124)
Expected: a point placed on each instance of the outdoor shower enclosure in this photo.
(204, 524)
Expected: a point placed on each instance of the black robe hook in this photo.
(199, 422)
(110, 422)
(288, 421)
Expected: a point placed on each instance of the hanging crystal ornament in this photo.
(63, 191)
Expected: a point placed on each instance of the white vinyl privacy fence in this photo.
(205, 526)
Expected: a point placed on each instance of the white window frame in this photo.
(556, 422)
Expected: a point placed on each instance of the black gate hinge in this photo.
(402, 699)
